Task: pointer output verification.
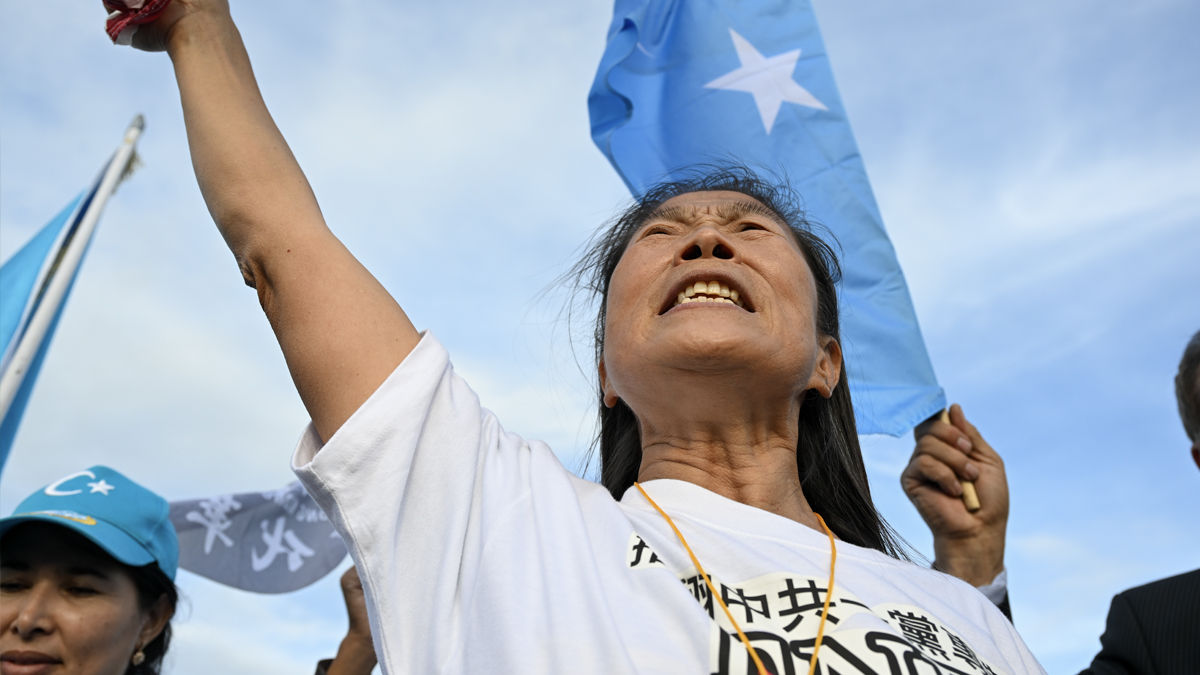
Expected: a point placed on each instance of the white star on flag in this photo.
(769, 80)
(102, 487)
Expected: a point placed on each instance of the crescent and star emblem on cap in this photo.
(99, 486)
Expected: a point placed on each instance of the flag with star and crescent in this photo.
(690, 82)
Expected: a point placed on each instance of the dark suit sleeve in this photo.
(1152, 630)
(1123, 649)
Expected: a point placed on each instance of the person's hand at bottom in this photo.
(356, 655)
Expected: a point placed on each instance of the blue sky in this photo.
(1037, 165)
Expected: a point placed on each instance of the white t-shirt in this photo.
(480, 553)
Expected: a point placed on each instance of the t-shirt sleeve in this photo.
(402, 481)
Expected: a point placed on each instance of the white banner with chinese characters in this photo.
(266, 542)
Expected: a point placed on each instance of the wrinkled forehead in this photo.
(723, 206)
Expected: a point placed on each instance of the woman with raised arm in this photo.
(726, 427)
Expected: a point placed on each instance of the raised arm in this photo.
(341, 332)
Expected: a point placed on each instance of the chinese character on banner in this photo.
(271, 542)
(280, 541)
(920, 631)
(213, 516)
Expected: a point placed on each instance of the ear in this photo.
(156, 620)
(1196, 453)
(828, 370)
(606, 385)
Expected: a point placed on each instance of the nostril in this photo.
(722, 251)
(692, 252)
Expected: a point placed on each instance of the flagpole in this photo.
(969, 496)
(56, 287)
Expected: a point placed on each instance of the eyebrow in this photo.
(727, 212)
(74, 570)
(78, 571)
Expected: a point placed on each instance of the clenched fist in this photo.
(967, 545)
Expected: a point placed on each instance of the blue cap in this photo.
(125, 519)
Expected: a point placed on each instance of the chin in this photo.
(714, 350)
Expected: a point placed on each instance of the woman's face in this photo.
(66, 607)
(754, 315)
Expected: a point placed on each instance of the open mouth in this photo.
(715, 292)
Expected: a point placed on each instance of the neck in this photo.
(751, 463)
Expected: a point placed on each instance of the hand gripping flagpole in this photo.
(969, 496)
(58, 284)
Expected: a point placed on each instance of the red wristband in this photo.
(127, 13)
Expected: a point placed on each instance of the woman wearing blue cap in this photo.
(87, 569)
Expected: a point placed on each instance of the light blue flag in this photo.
(704, 81)
(22, 283)
(36, 282)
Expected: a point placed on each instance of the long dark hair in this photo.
(830, 462)
(152, 583)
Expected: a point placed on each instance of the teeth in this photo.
(709, 292)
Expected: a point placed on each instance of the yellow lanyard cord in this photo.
(812, 665)
(762, 670)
